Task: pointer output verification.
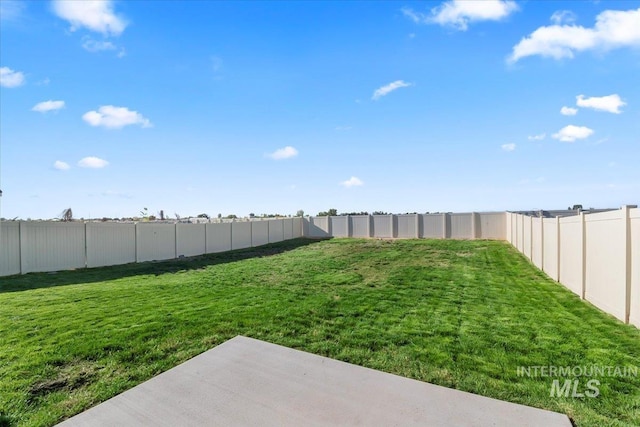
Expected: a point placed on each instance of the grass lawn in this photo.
(462, 314)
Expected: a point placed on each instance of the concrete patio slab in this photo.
(247, 382)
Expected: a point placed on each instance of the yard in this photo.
(462, 314)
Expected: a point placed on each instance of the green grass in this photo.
(462, 314)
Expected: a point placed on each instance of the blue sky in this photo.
(264, 107)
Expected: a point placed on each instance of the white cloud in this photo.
(93, 163)
(283, 153)
(537, 137)
(10, 78)
(613, 29)
(568, 111)
(610, 103)
(563, 17)
(11, 10)
(94, 15)
(571, 133)
(115, 117)
(352, 182)
(508, 147)
(385, 90)
(91, 45)
(43, 107)
(459, 13)
(60, 165)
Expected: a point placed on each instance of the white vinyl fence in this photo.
(596, 256)
(34, 246)
(472, 225)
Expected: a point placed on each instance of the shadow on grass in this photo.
(99, 274)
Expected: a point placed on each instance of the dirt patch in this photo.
(70, 376)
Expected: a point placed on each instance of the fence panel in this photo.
(519, 233)
(432, 226)
(190, 239)
(241, 235)
(287, 231)
(276, 230)
(526, 236)
(605, 278)
(514, 230)
(339, 226)
(407, 226)
(110, 244)
(571, 253)
(536, 242)
(298, 230)
(52, 246)
(550, 258)
(509, 225)
(319, 226)
(634, 297)
(492, 225)
(155, 242)
(259, 233)
(382, 226)
(360, 226)
(461, 225)
(9, 248)
(218, 237)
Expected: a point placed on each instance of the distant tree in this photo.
(300, 213)
(576, 207)
(354, 213)
(232, 216)
(161, 215)
(152, 217)
(252, 215)
(144, 213)
(330, 212)
(177, 216)
(203, 215)
(67, 215)
(379, 213)
(219, 216)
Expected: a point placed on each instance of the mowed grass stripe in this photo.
(462, 314)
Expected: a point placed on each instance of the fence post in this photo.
(20, 246)
(85, 245)
(417, 226)
(348, 225)
(583, 226)
(206, 249)
(175, 240)
(474, 231)
(394, 231)
(370, 218)
(444, 225)
(626, 218)
(541, 242)
(558, 249)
